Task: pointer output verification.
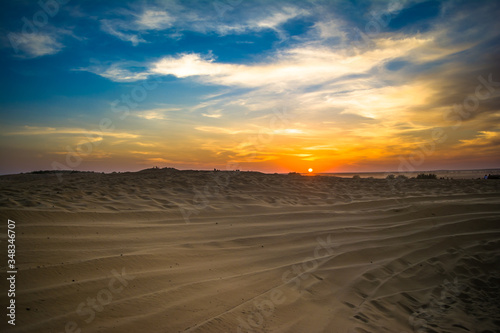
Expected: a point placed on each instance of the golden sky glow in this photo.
(293, 87)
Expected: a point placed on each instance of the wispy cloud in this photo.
(120, 30)
(154, 20)
(482, 139)
(34, 45)
(133, 27)
(186, 65)
(274, 20)
(37, 130)
(299, 66)
(212, 114)
(155, 114)
(221, 130)
(330, 29)
(119, 72)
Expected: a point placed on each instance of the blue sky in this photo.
(262, 85)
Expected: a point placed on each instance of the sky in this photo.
(272, 86)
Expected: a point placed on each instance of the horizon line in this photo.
(220, 170)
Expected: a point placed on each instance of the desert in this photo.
(164, 250)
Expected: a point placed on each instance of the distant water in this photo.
(455, 174)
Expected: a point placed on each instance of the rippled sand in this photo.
(171, 251)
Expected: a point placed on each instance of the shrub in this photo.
(426, 176)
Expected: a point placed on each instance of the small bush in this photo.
(402, 177)
(356, 177)
(390, 177)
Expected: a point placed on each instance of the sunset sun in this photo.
(310, 170)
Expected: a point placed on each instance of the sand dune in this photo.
(172, 251)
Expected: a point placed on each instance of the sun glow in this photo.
(310, 170)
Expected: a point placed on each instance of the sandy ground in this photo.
(170, 251)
